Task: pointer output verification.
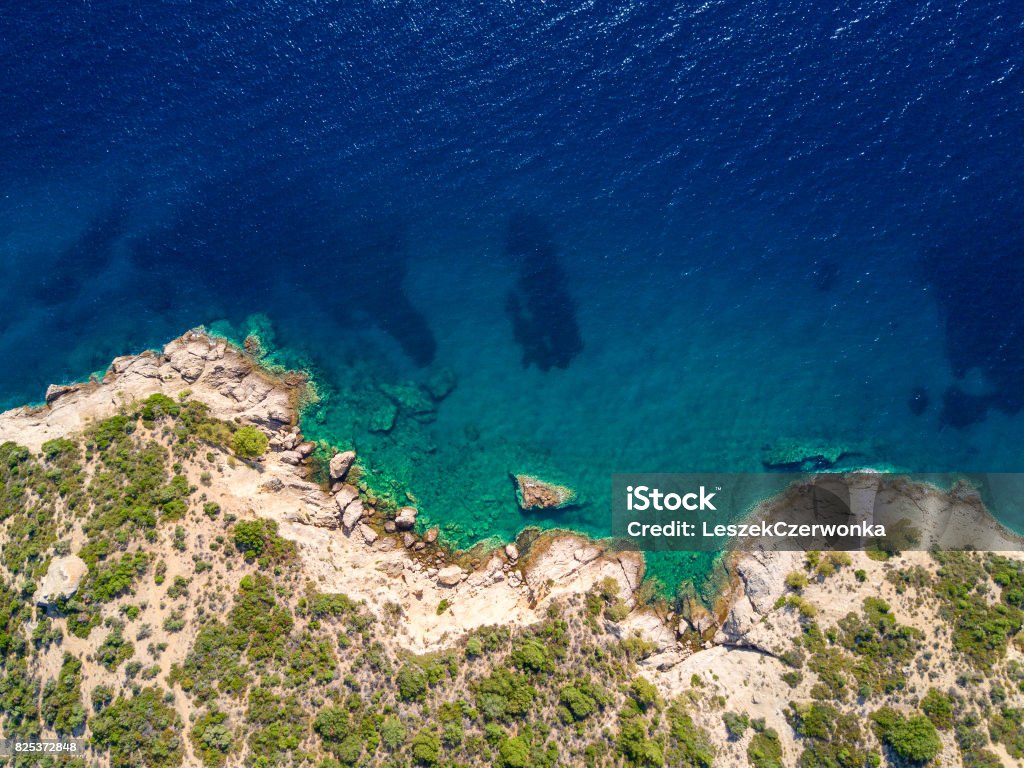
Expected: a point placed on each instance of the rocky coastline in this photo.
(348, 542)
(519, 576)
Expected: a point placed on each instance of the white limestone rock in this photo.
(62, 579)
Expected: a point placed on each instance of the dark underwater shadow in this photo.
(542, 311)
(366, 270)
(978, 276)
(89, 255)
(252, 241)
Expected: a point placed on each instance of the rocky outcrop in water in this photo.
(340, 465)
(534, 493)
(405, 518)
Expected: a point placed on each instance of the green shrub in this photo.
(249, 443)
(412, 682)
(157, 405)
(212, 737)
(276, 725)
(580, 701)
(796, 580)
(633, 743)
(62, 698)
(114, 578)
(1007, 726)
(514, 753)
(101, 696)
(142, 730)
(532, 656)
(257, 617)
(643, 692)
(114, 649)
(831, 738)
(258, 539)
(504, 695)
(736, 724)
(426, 748)
(938, 707)
(913, 739)
(392, 732)
(980, 631)
(765, 750)
(688, 745)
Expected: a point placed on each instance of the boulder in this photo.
(389, 526)
(56, 391)
(353, 514)
(512, 552)
(645, 625)
(290, 457)
(450, 576)
(702, 620)
(61, 580)
(350, 508)
(431, 535)
(764, 576)
(534, 493)
(273, 485)
(320, 515)
(341, 463)
(305, 449)
(345, 495)
(392, 568)
(408, 540)
(369, 535)
(406, 518)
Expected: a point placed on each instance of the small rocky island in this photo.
(532, 493)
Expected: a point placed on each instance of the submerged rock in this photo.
(62, 580)
(382, 419)
(803, 455)
(431, 535)
(441, 383)
(534, 493)
(411, 399)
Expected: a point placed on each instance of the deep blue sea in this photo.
(641, 236)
